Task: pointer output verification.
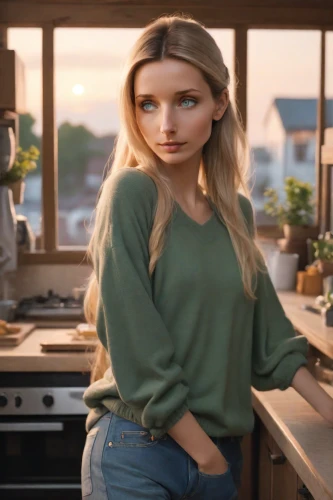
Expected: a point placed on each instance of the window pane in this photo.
(283, 88)
(30, 124)
(88, 63)
(225, 41)
(329, 101)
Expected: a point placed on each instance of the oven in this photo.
(42, 435)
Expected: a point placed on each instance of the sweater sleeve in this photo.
(141, 350)
(277, 353)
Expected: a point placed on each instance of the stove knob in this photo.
(18, 401)
(3, 400)
(48, 400)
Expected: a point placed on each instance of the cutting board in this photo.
(15, 339)
(67, 341)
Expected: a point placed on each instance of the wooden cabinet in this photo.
(277, 479)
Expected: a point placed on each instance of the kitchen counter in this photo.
(301, 433)
(304, 437)
(28, 356)
(307, 323)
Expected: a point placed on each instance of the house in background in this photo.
(290, 146)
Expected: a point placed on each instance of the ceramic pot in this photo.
(282, 268)
(18, 188)
(325, 267)
(299, 232)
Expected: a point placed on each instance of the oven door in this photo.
(40, 457)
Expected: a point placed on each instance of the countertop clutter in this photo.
(308, 323)
(303, 436)
(28, 356)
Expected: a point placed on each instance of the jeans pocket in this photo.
(128, 434)
(203, 474)
(237, 469)
(232, 452)
(217, 486)
(86, 482)
(136, 438)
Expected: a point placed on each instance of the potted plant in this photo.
(324, 256)
(25, 161)
(295, 214)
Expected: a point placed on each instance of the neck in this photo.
(184, 182)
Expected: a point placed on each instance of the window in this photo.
(225, 41)
(86, 75)
(283, 89)
(27, 43)
(300, 152)
(88, 65)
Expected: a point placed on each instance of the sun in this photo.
(78, 89)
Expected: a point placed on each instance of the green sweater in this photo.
(187, 338)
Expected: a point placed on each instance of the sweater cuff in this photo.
(172, 420)
(285, 371)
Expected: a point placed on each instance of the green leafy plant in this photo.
(24, 163)
(297, 210)
(323, 250)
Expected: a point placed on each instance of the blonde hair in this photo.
(224, 162)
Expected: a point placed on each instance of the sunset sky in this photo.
(281, 64)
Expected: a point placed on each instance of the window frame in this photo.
(29, 14)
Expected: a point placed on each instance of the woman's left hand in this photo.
(327, 411)
(307, 386)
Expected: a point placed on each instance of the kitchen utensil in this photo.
(7, 310)
(68, 341)
(15, 339)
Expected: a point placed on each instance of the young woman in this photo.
(187, 316)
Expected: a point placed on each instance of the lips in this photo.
(172, 144)
(172, 147)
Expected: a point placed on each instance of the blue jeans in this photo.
(121, 461)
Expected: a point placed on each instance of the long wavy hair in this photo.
(223, 168)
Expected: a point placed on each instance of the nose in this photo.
(168, 122)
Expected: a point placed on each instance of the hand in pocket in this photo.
(216, 466)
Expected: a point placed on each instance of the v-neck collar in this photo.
(194, 222)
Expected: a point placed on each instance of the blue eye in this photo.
(189, 103)
(145, 106)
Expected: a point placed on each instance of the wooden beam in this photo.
(321, 207)
(318, 4)
(327, 154)
(240, 65)
(73, 255)
(137, 15)
(3, 37)
(326, 200)
(49, 148)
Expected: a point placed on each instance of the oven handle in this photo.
(31, 426)
(42, 486)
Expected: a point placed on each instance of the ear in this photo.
(221, 105)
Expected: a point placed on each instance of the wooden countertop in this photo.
(301, 433)
(310, 325)
(304, 437)
(28, 356)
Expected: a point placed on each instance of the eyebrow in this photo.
(180, 92)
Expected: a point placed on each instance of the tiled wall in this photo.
(38, 279)
(34, 279)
